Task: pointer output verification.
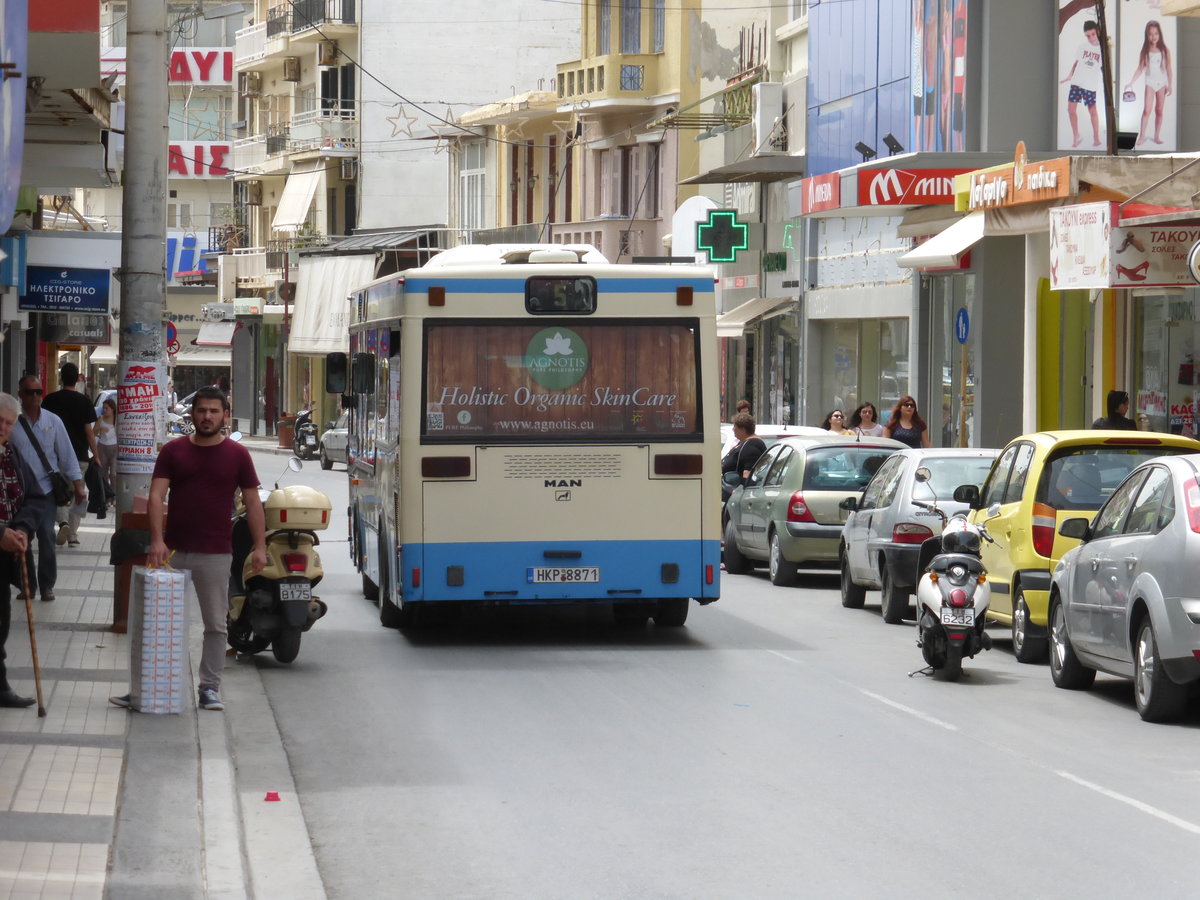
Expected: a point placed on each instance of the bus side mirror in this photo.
(362, 373)
(335, 373)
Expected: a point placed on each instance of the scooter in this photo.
(952, 594)
(274, 607)
(179, 424)
(304, 440)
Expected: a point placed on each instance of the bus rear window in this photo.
(611, 380)
(546, 296)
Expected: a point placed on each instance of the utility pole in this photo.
(142, 358)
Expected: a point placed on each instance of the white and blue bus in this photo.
(531, 424)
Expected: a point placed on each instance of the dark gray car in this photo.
(884, 531)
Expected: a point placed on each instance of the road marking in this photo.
(1136, 804)
(908, 709)
(784, 656)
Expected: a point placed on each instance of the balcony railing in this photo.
(227, 238)
(311, 13)
(279, 21)
(277, 249)
(325, 125)
(277, 138)
(249, 154)
(250, 43)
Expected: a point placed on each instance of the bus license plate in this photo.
(563, 575)
(952, 616)
(295, 590)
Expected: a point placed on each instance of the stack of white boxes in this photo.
(158, 663)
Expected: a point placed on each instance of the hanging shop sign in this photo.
(1090, 249)
(55, 289)
(906, 187)
(1015, 183)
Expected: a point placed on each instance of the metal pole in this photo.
(143, 244)
(1106, 73)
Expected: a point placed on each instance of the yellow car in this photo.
(1038, 481)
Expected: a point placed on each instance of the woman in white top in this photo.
(1155, 63)
(106, 439)
(865, 420)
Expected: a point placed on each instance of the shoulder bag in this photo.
(61, 486)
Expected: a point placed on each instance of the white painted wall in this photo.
(443, 59)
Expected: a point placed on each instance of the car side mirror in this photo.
(849, 504)
(968, 494)
(1075, 528)
(733, 479)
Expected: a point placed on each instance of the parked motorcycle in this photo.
(304, 440)
(276, 606)
(179, 424)
(952, 593)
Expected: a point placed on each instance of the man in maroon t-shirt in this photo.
(203, 472)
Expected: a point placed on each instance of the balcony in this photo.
(319, 19)
(250, 154)
(633, 77)
(625, 238)
(227, 238)
(250, 44)
(326, 126)
(279, 21)
(250, 268)
(278, 136)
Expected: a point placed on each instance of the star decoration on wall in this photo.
(401, 121)
(516, 132)
(565, 128)
(203, 120)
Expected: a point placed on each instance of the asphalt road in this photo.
(774, 747)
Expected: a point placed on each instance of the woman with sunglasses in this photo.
(835, 422)
(865, 420)
(906, 424)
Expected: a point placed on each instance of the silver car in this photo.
(334, 442)
(1126, 601)
(883, 534)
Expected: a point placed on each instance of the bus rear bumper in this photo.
(512, 572)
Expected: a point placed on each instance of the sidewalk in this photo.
(96, 801)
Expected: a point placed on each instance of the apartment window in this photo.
(471, 181)
(604, 27)
(631, 26)
(179, 215)
(660, 26)
(632, 78)
(799, 9)
(220, 214)
(113, 32)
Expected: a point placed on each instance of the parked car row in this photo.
(1092, 533)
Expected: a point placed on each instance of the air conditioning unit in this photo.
(348, 169)
(250, 84)
(291, 68)
(254, 192)
(327, 53)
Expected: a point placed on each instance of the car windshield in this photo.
(948, 472)
(1084, 477)
(842, 468)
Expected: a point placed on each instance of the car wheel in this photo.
(672, 612)
(1158, 698)
(326, 462)
(783, 573)
(894, 604)
(853, 595)
(735, 563)
(1065, 668)
(1026, 648)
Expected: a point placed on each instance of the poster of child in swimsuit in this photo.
(939, 75)
(1147, 104)
(1082, 123)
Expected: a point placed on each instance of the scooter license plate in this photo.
(310, 439)
(953, 616)
(295, 590)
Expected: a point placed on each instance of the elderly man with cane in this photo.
(22, 506)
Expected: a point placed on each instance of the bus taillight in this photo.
(708, 574)
(678, 464)
(445, 466)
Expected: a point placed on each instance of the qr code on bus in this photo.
(435, 421)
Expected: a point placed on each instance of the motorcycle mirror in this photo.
(993, 510)
(235, 436)
(923, 474)
(294, 464)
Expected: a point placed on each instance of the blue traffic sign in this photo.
(962, 325)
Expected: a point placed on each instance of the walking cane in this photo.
(37, 672)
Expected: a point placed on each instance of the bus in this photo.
(531, 424)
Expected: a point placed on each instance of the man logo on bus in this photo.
(557, 358)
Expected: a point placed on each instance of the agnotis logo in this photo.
(895, 187)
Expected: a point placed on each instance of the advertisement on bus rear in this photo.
(583, 381)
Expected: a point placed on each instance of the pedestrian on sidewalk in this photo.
(22, 505)
(51, 435)
(71, 405)
(106, 443)
(906, 424)
(194, 483)
(1118, 409)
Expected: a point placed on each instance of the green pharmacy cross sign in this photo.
(722, 236)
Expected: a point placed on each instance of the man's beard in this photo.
(207, 428)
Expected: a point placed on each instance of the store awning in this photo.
(946, 248)
(754, 169)
(218, 357)
(104, 355)
(321, 317)
(215, 334)
(733, 323)
(298, 192)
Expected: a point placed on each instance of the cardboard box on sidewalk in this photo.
(158, 665)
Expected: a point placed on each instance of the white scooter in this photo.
(952, 594)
